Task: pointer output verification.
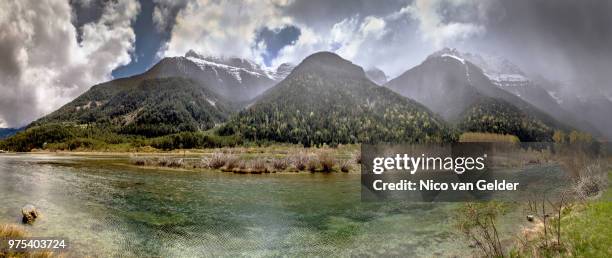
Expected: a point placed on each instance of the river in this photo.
(108, 208)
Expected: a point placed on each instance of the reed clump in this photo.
(280, 164)
(345, 166)
(326, 162)
(300, 161)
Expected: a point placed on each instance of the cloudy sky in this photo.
(54, 50)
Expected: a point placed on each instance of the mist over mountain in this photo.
(327, 99)
(545, 94)
(594, 109)
(376, 75)
(463, 94)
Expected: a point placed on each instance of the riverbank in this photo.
(582, 231)
(275, 158)
(262, 160)
(9, 231)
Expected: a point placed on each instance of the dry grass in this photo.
(175, 163)
(17, 231)
(160, 162)
(258, 165)
(345, 166)
(274, 158)
(488, 137)
(231, 162)
(312, 164)
(280, 164)
(140, 161)
(217, 160)
(575, 161)
(591, 183)
(242, 164)
(326, 161)
(12, 231)
(300, 161)
(357, 157)
(163, 162)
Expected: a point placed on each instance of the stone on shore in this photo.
(30, 213)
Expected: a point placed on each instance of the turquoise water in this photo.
(106, 208)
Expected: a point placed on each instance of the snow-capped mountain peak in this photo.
(238, 66)
(283, 70)
(500, 71)
(234, 66)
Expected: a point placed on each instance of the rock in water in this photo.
(30, 213)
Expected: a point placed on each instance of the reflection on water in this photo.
(110, 209)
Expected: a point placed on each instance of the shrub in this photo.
(140, 161)
(345, 166)
(203, 163)
(82, 143)
(591, 183)
(280, 164)
(327, 162)
(477, 223)
(231, 162)
(217, 160)
(242, 165)
(162, 162)
(190, 140)
(300, 161)
(312, 164)
(175, 163)
(37, 137)
(358, 157)
(487, 137)
(258, 165)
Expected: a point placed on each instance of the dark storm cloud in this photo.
(323, 13)
(563, 40)
(85, 12)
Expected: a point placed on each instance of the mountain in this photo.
(7, 132)
(327, 99)
(186, 93)
(376, 75)
(283, 71)
(149, 107)
(538, 92)
(236, 79)
(462, 93)
(595, 109)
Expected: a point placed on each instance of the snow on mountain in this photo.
(543, 94)
(236, 66)
(454, 57)
(283, 71)
(500, 71)
(233, 66)
(234, 71)
(236, 79)
(555, 96)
